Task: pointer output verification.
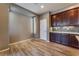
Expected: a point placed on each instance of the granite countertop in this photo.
(65, 32)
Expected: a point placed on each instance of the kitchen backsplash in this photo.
(66, 29)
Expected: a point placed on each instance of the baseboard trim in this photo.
(4, 50)
(19, 42)
(45, 40)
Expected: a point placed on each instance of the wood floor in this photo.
(36, 47)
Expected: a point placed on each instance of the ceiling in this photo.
(52, 7)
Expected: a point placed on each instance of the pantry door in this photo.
(43, 29)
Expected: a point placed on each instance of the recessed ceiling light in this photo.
(42, 6)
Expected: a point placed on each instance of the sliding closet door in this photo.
(19, 24)
(19, 27)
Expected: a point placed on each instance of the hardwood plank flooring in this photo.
(38, 47)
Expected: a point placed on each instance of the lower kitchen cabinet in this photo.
(73, 41)
(65, 39)
(55, 37)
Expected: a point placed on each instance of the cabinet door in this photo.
(64, 39)
(53, 20)
(73, 41)
(65, 18)
(78, 17)
(57, 19)
(58, 37)
(72, 16)
(55, 37)
(52, 37)
(60, 19)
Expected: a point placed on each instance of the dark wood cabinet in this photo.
(66, 18)
(78, 16)
(73, 41)
(59, 38)
(53, 20)
(73, 16)
(57, 19)
(65, 39)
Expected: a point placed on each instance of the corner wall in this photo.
(4, 37)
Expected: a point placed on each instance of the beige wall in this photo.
(19, 27)
(37, 34)
(4, 38)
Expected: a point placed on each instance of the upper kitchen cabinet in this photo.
(53, 20)
(72, 16)
(57, 19)
(60, 19)
(66, 18)
(78, 16)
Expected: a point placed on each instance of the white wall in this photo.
(19, 27)
(4, 37)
